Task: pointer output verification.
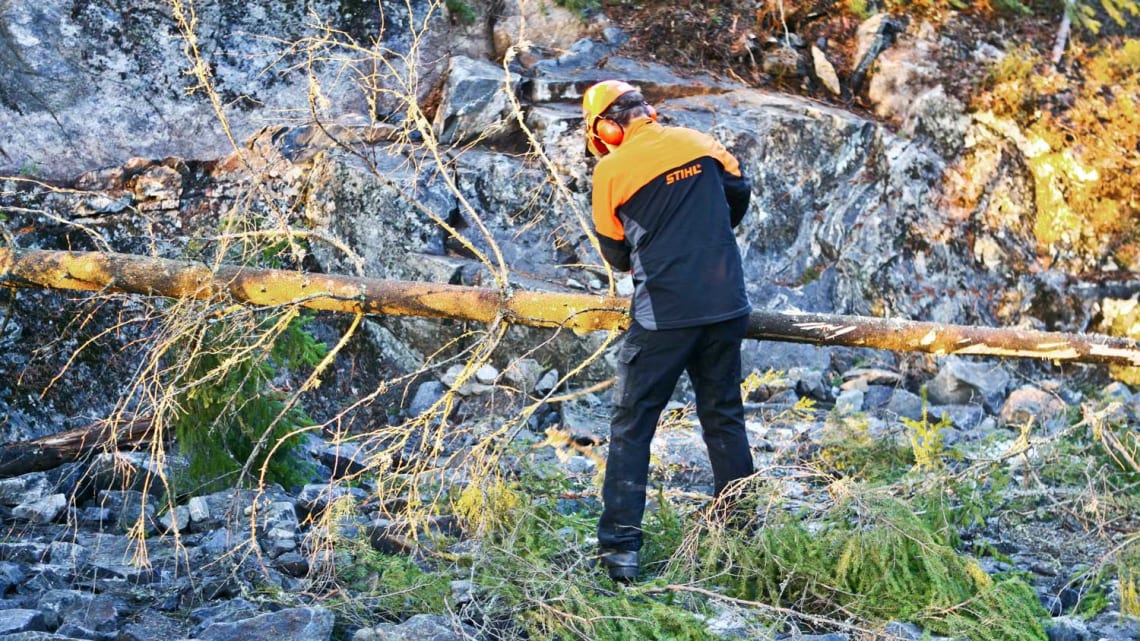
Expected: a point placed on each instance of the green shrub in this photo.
(926, 439)
(226, 402)
(393, 586)
(848, 449)
(873, 558)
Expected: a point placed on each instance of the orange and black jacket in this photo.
(664, 205)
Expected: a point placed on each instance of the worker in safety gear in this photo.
(665, 202)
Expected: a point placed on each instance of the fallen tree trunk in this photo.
(583, 313)
(52, 451)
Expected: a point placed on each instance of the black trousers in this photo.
(649, 365)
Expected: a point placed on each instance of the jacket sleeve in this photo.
(616, 253)
(607, 226)
(738, 192)
(737, 186)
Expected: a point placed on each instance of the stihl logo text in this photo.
(681, 174)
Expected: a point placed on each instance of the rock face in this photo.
(88, 85)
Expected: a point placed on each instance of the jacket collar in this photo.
(637, 126)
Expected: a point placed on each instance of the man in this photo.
(665, 201)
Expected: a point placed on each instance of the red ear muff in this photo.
(609, 131)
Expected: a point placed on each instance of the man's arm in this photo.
(607, 225)
(616, 253)
(737, 187)
(738, 192)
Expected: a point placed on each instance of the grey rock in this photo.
(461, 591)
(1111, 626)
(296, 624)
(11, 575)
(1068, 628)
(21, 620)
(342, 458)
(26, 488)
(421, 627)
(547, 383)
(43, 510)
(963, 417)
(222, 541)
(129, 508)
(784, 62)
(940, 119)
(23, 551)
(37, 637)
(175, 520)
(877, 397)
(316, 497)
(546, 26)
(292, 564)
(94, 516)
(487, 375)
(474, 102)
(122, 471)
(1031, 405)
(221, 612)
(728, 623)
(233, 508)
(395, 343)
(902, 71)
(580, 417)
(69, 555)
(469, 386)
(808, 382)
(278, 515)
(426, 395)
(43, 577)
(74, 630)
(900, 631)
(85, 609)
(960, 382)
(278, 541)
(523, 373)
(110, 574)
(849, 401)
(114, 74)
(1117, 391)
(152, 626)
(199, 509)
(906, 404)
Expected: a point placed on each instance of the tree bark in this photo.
(582, 313)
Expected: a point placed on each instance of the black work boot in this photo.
(622, 565)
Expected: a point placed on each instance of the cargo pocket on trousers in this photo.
(626, 355)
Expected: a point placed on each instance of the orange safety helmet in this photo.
(603, 133)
